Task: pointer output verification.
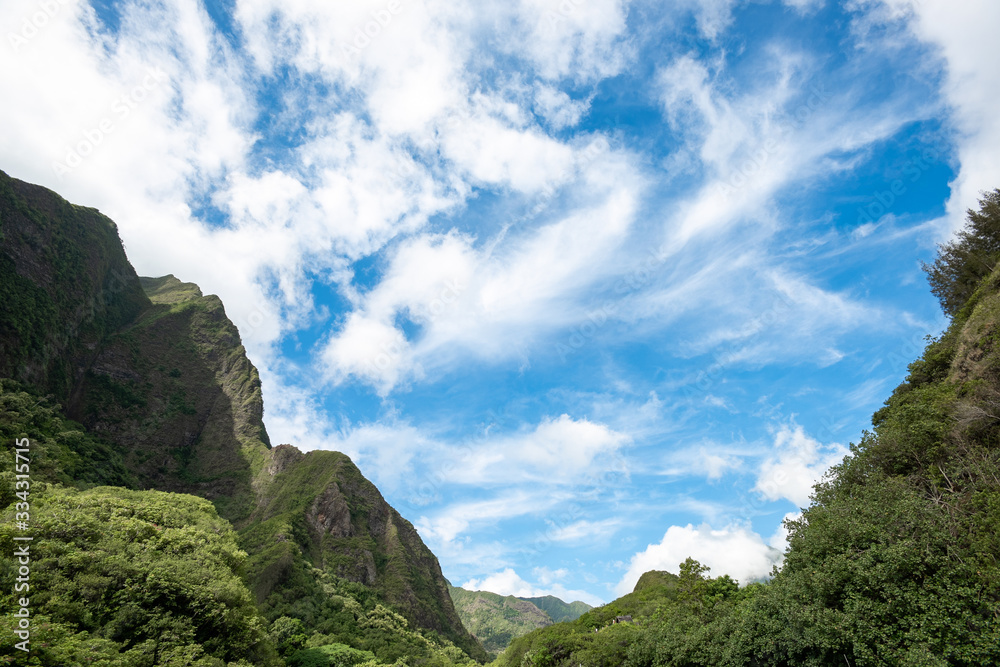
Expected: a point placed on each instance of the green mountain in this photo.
(897, 560)
(558, 610)
(143, 383)
(495, 619)
(169, 532)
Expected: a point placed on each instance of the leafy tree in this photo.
(133, 578)
(963, 262)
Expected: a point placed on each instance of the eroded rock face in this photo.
(282, 456)
(330, 514)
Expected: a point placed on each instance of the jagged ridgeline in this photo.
(126, 385)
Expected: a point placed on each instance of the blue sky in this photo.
(584, 286)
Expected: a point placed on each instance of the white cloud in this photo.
(572, 38)
(711, 461)
(734, 550)
(965, 34)
(556, 452)
(489, 301)
(508, 582)
(454, 520)
(584, 531)
(800, 462)
(557, 108)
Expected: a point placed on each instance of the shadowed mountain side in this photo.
(65, 286)
(177, 391)
(163, 378)
(156, 375)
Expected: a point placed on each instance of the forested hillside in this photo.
(896, 560)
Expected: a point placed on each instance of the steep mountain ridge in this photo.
(65, 286)
(157, 376)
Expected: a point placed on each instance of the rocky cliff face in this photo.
(157, 370)
(317, 511)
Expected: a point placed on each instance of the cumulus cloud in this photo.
(508, 582)
(799, 462)
(964, 36)
(735, 550)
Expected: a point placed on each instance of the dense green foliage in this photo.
(62, 450)
(129, 578)
(327, 550)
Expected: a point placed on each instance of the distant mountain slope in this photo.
(595, 638)
(558, 610)
(496, 620)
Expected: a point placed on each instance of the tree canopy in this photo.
(964, 261)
